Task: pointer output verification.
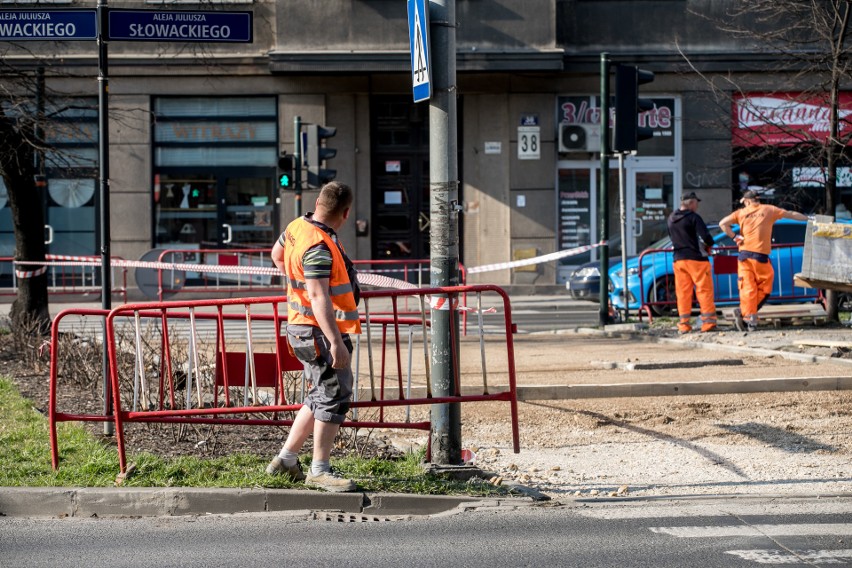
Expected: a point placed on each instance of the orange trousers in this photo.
(755, 284)
(694, 275)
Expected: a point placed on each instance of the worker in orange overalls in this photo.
(692, 242)
(754, 269)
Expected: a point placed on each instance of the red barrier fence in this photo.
(157, 375)
(659, 292)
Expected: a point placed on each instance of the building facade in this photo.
(196, 130)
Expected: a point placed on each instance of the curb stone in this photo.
(165, 502)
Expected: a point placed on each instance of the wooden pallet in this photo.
(786, 314)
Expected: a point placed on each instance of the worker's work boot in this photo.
(738, 320)
(330, 482)
(277, 467)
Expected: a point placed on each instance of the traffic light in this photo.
(285, 171)
(316, 153)
(628, 106)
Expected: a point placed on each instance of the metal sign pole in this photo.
(444, 207)
(603, 193)
(103, 162)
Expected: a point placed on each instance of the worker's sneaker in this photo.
(330, 482)
(277, 467)
(683, 330)
(738, 320)
(751, 327)
(708, 327)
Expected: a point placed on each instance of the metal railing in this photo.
(660, 293)
(160, 366)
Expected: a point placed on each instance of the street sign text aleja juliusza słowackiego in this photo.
(127, 25)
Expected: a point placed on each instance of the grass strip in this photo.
(86, 461)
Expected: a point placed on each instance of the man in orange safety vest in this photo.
(322, 310)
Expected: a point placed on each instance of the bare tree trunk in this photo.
(29, 311)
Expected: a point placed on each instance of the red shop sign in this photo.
(785, 119)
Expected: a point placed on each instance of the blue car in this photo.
(654, 283)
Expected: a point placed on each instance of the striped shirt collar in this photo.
(309, 217)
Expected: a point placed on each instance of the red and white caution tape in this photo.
(535, 260)
(365, 278)
(30, 273)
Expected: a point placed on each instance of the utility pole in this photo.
(603, 194)
(443, 234)
(103, 164)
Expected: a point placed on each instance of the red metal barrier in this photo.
(66, 277)
(725, 289)
(208, 392)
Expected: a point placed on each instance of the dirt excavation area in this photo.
(769, 442)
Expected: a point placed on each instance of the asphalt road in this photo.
(546, 313)
(661, 534)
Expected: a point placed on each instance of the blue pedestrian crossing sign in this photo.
(418, 36)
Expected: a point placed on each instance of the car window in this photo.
(663, 243)
(724, 241)
(788, 234)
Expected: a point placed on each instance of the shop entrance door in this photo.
(400, 189)
(215, 209)
(650, 201)
(249, 213)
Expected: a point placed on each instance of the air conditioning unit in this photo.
(579, 138)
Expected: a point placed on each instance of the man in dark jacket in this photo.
(692, 243)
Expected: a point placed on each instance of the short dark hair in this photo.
(750, 195)
(335, 197)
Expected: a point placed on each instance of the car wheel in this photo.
(662, 297)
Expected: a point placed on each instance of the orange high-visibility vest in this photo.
(299, 236)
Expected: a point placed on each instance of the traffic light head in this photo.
(285, 171)
(628, 106)
(316, 153)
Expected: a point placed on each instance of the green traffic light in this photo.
(284, 181)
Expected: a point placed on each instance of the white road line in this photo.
(793, 556)
(679, 510)
(813, 529)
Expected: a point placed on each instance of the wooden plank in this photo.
(803, 282)
(618, 390)
(825, 343)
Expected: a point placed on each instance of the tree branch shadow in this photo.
(712, 457)
(780, 438)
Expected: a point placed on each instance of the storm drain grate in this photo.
(354, 518)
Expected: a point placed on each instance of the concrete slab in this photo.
(202, 501)
(130, 502)
(293, 500)
(37, 501)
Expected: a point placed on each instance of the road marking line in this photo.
(680, 510)
(793, 556)
(814, 529)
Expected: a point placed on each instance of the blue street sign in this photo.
(418, 39)
(56, 25)
(206, 27)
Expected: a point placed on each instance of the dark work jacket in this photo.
(687, 231)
